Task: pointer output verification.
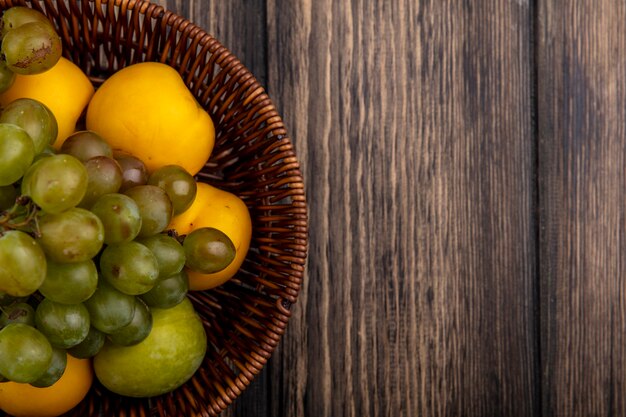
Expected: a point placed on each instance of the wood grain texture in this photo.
(413, 124)
(582, 140)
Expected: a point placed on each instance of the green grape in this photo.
(65, 325)
(76, 235)
(22, 264)
(179, 185)
(70, 283)
(169, 254)
(17, 16)
(90, 346)
(208, 250)
(105, 177)
(134, 171)
(25, 353)
(109, 308)
(32, 48)
(85, 145)
(8, 194)
(137, 330)
(130, 267)
(155, 208)
(120, 217)
(7, 77)
(56, 183)
(168, 292)
(17, 313)
(55, 369)
(35, 118)
(17, 152)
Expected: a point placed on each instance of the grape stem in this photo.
(22, 216)
(173, 233)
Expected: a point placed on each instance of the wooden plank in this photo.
(413, 123)
(240, 26)
(582, 192)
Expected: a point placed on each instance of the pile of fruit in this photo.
(103, 227)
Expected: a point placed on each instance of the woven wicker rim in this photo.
(253, 158)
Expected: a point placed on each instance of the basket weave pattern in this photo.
(253, 158)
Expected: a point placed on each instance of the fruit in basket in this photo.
(17, 313)
(16, 153)
(90, 346)
(85, 255)
(25, 400)
(35, 118)
(163, 328)
(155, 208)
(104, 177)
(56, 183)
(31, 48)
(168, 292)
(208, 250)
(85, 145)
(23, 264)
(70, 283)
(75, 235)
(167, 358)
(130, 267)
(30, 44)
(25, 353)
(179, 185)
(17, 16)
(55, 369)
(134, 171)
(137, 330)
(223, 211)
(160, 121)
(110, 309)
(64, 325)
(120, 216)
(64, 89)
(168, 252)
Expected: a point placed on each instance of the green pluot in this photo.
(162, 362)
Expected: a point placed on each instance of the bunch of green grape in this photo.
(85, 253)
(30, 44)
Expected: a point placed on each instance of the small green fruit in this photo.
(162, 362)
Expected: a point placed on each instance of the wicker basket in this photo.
(253, 158)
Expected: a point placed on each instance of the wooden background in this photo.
(464, 163)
